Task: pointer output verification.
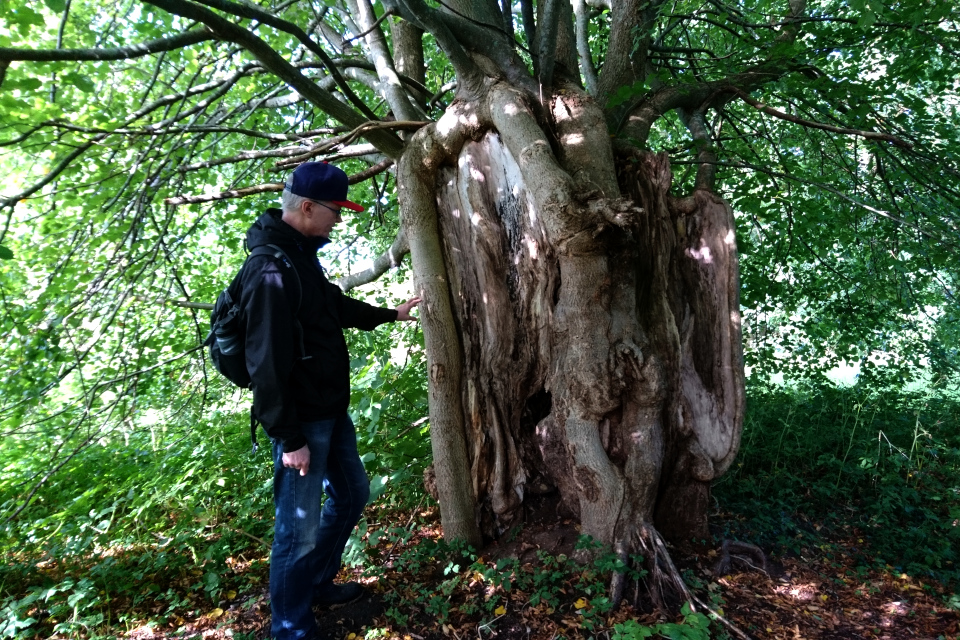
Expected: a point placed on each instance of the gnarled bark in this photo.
(598, 334)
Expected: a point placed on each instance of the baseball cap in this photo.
(321, 181)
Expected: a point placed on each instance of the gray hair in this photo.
(291, 202)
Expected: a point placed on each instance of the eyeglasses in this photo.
(336, 212)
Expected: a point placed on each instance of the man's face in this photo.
(323, 218)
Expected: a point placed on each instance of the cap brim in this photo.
(353, 206)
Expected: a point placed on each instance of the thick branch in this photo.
(469, 75)
(418, 207)
(120, 53)
(641, 116)
(547, 45)
(582, 21)
(384, 262)
(530, 31)
(631, 22)
(249, 11)
(390, 87)
(408, 53)
(696, 124)
(388, 143)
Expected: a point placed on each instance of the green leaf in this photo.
(57, 6)
(80, 82)
(5, 253)
(24, 84)
(24, 18)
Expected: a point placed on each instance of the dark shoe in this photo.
(335, 595)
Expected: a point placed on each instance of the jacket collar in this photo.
(270, 228)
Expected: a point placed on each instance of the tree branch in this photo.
(582, 21)
(530, 31)
(249, 11)
(270, 187)
(384, 262)
(706, 153)
(826, 187)
(391, 89)
(388, 143)
(869, 135)
(547, 43)
(386, 14)
(122, 53)
(347, 138)
(469, 74)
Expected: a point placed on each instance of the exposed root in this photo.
(743, 554)
(619, 579)
(664, 584)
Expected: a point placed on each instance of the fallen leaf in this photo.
(499, 611)
(216, 613)
(580, 603)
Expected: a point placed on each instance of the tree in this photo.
(582, 304)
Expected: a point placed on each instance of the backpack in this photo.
(226, 340)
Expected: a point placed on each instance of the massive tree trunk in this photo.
(595, 317)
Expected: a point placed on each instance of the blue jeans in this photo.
(308, 540)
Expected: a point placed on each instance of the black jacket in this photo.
(287, 388)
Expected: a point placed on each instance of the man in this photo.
(300, 371)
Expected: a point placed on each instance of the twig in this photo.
(186, 304)
(244, 533)
(270, 187)
(347, 138)
(487, 625)
(366, 174)
(409, 522)
(392, 257)
(376, 24)
(729, 625)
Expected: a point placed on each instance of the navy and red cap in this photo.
(321, 181)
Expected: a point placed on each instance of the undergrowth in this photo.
(166, 527)
(871, 465)
(431, 583)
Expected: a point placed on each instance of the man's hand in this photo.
(299, 459)
(403, 311)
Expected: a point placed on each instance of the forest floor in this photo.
(519, 590)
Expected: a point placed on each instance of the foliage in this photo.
(694, 626)
(872, 462)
